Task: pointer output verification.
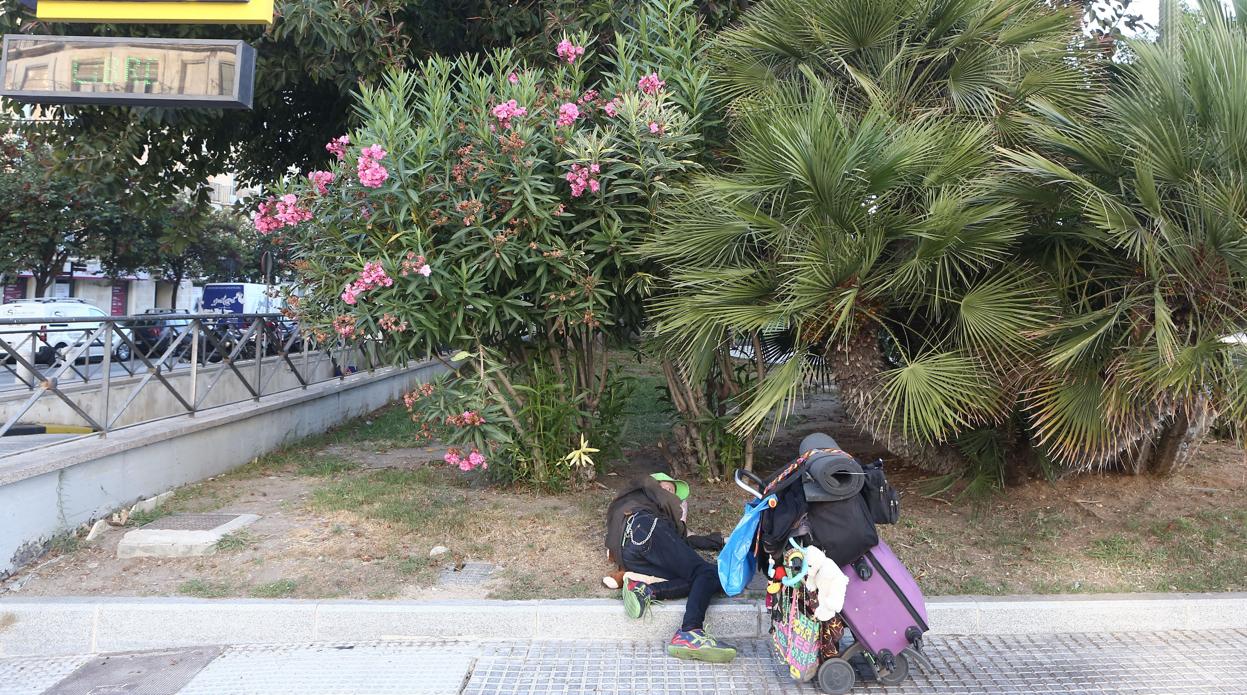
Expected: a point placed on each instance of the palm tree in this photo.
(1147, 194)
(867, 213)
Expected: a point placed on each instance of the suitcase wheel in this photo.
(836, 677)
(898, 673)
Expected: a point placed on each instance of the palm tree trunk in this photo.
(1176, 444)
(856, 366)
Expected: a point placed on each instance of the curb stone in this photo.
(85, 625)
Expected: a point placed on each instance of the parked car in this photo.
(158, 329)
(56, 337)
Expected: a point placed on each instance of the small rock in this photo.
(97, 529)
(152, 504)
(438, 550)
(92, 565)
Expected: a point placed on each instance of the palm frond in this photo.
(932, 397)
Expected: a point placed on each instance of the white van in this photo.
(56, 338)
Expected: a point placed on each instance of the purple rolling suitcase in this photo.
(883, 606)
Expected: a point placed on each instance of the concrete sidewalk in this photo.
(72, 626)
(1107, 645)
(1138, 663)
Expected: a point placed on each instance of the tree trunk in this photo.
(177, 283)
(856, 367)
(46, 272)
(43, 279)
(689, 451)
(1177, 443)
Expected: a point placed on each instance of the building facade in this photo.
(123, 296)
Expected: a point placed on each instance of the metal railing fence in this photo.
(80, 360)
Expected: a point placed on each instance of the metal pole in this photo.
(304, 343)
(194, 365)
(107, 364)
(259, 356)
(31, 379)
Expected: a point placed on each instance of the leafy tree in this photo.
(1142, 203)
(491, 206)
(49, 217)
(310, 62)
(195, 243)
(865, 216)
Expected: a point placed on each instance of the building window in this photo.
(142, 75)
(87, 73)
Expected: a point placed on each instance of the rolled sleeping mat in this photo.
(818, 440)
(830, 477)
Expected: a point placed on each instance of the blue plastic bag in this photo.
(737, 560)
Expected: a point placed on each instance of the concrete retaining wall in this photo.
(86, 625)
(49, 491)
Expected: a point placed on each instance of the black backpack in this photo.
(881, 498)
(843, 529)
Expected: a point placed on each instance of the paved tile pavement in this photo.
(1171, 663)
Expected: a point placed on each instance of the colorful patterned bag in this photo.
(796, 633)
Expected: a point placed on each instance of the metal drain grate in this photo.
(471, 574)
(143, 673)
(190, 522)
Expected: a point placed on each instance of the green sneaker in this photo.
(637, 598)
(696, 644)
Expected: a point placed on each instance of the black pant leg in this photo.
(672, 588)
(666, 554)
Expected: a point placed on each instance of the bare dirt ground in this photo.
(355, 514)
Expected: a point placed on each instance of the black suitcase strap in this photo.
(897, 590)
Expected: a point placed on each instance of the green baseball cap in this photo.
(681, 487)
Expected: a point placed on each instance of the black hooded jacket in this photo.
(643, 493)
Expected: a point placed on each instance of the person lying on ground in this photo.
(646, 532)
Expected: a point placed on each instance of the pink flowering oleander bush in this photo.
(493, 208)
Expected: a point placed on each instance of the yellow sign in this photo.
(157, 12)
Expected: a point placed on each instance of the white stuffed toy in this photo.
(823, 577)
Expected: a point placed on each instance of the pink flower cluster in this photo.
(372, 276)
(589, 96)
(321, 180)
(423, 391)
(337, 146)
(371, 173)
(568, 113)
(264, 222)
(415, 265)
(505, 111)
(390, 322)
(344, 325)
(289, 212)
(656, 128)
(650, 84)
(476, 459)
(513, 78)
(272, 215)
(467, 418)
(582, 177)
(569, 51)
(612, 107)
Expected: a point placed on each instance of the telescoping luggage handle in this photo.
(758, 482)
